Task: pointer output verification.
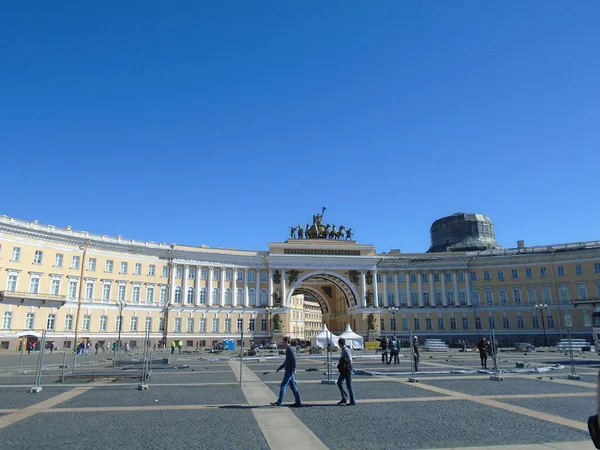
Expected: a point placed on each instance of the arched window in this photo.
(263, 297)
(190, 295)
(178, 294)
(203, 296)
(228, 296)
(252, 297)
(240, 297)
(215, 297)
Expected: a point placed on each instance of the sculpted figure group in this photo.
(319, 231)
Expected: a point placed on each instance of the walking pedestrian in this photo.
(288, 375)
(345, 369)
(416, 353)
(180, 345)
(393, 351)
(483, 347)
(96, 347)
(384, 350)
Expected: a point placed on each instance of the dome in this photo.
(462, 232)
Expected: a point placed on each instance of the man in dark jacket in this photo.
(289, 366)
(345, 369)
(483, 347)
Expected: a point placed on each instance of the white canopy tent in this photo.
(325, 336)
(353, 340)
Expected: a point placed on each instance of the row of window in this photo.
(103, 324)
(490, 300)
(460, 276)
(535, 323)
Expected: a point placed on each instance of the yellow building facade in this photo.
(83, 286)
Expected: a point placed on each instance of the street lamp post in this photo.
(541, 307)
(393, 310)
(269, 310)
(120, 304)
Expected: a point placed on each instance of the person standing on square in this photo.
(345, 369)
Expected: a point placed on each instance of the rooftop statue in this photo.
(318, 230)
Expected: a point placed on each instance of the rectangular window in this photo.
(163, 295)
(137, 270)
(55, 286)
(561, 271)
(405, 324)
(535, 321)
(150, 294)
(228, 275)
(578, 269)
(475, 298)
(252, 325)
(86, 323)
(550, 321)
(382, 325)
(251, 276)
(118, 323)
(465, 323)
(582, 292)
(106, 291)
(108, 267)
(190, 324)
(38, 256)
(11, 284)
(546, 294)
(161, 323)
(486, 275)
(531, 295)
(529, 272)
(597, 268)
(563, 293)
(203, 325)
(75, 262)
(240, 325)
(448, 276)
(165, 271)
(450, 298)
(517, 300)
(473, 276)
(192, 273)
(92, 264)
(72, 289)
(390, 299)
(34, 285)
(500, 275)
(515, 274)
(240, 275)
(123, 268)
(462, 298)
(417, 323)
(428, 323)
(436, 277)
(135, 294)
(215, 325)
(133, 323)
(520, 322)
(29, 321)
(51, 322)
(263, 325)
(103, 323)
(16, 254)
(414, 298)
(151, 270)
(58, 260)
(460, 276)
(216, 274)
(543, 272)
(489, 297)
(89, 290)
(263, 276)
(492, 322)
(389, 278)
(178, 324)
(121, 292)
(438, 298)
(425, 278)
(69, 322)
(478, 323)
(503, 297)
(179, 272)
(7, 321)
(440, 323)
(453, 323)
(413, 277)
(505, 323)
(401, 277)
(228, 325)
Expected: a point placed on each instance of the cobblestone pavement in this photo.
(202, 405)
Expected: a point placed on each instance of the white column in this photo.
(407, 284)
(222, 286)
(455, 283)
(234, 273)
(257, 294)
(210, 288)
(444, 299)
(186, 274)
(171, 282)
(420, 281)
(246, 287)
(384, 279)
(396, 291)
(270, 296)
(283, 291)
(363, 289)
(468, 287)
(197, 286)
(375, 290)
(431, 290)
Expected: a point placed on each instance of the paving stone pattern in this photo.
(18, 398)
(509, 386)
(575, 408)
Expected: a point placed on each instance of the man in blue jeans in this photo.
(345, 369)
(288, 375)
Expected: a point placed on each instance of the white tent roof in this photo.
(321, 339)
(353, 340)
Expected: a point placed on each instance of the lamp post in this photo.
(120, 304)
(393, 310)
(269, 310)
(541, 307)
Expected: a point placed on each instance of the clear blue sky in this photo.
(224, 123)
